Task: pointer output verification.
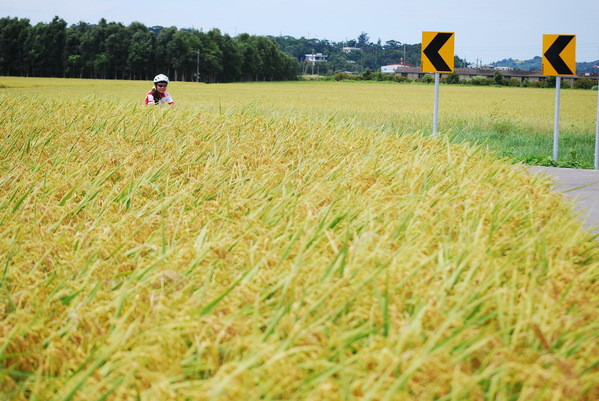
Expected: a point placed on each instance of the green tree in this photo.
(252, 61)
(177, 53)
(116, 46)
(74, 65)
(214, 58)
(46, 49)
(111, 50)
(363, 40)
(498, 78)
(231, 59)
(75, 62)
(101, 65)
(163, 38)
(13, 35)
(91, 45)
(140, 58)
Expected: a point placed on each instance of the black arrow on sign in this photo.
(553, 54)
(432, 51)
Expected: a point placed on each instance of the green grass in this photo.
(575, 151)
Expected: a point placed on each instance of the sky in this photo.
(484, 31)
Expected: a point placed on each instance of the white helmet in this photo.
(160, 78)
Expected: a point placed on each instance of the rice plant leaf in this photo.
(205, 310)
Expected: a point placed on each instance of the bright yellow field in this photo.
(379, 106)
(242, 246)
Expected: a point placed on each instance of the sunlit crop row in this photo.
(393, 107)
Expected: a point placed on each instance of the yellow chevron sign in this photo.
(437, 51)
(559, 55)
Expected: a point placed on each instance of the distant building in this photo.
(316, 57)
(347, 49)
(392, 68)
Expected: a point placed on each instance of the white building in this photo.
(348, 49)
(315, 58)
(392, 68)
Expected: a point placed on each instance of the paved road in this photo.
(582, 185)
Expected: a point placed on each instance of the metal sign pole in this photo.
(558, 85)
(597, 135)
(436, 107)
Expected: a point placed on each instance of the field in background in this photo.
(513, 122)
(246, 245)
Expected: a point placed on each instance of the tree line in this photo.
(352, 56)
(115, 51)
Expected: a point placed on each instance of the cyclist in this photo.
(158, 95)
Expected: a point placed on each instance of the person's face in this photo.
(161, 87)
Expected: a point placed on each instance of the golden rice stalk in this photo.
(185, 254)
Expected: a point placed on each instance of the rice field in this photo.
(396, 108)
(283, 242)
